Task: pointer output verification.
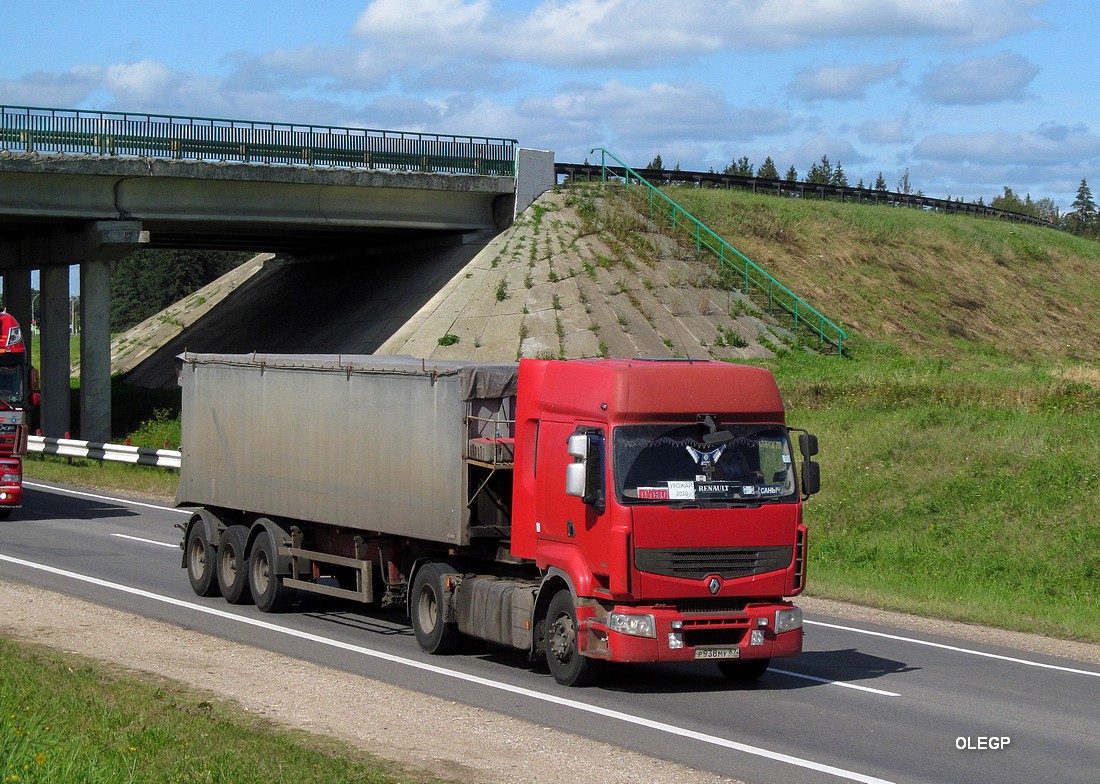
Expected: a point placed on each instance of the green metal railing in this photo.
(29, 129)
(752, 276)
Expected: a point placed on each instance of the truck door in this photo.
(571, 520)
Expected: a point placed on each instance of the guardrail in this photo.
(804, 190)
(30, 129)
(748, 271)
(93, 450)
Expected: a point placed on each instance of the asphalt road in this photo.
(864, 703)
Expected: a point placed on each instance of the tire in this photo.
(567, 665)
(233, 565)
(743, 671)
(433, 633)
(200, 558)
(266, 585)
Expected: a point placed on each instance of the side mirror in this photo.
(33, 380)
(811, 477)
(584, 476)
(807, 444)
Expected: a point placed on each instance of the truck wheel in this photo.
(267, 587)
(233, 565)
(744, 671)
(433, 633)
(200, 561)
(567, 665)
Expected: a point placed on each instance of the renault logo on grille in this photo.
(713, 585)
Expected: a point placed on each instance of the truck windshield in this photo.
(11, 385)
(672, 464)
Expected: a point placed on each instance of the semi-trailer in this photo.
(582, 511)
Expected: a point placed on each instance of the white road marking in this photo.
(955, 648)
(845, 684)
(125, 501)
(148, 541)
(564, 702)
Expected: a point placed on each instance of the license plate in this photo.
(717, 653)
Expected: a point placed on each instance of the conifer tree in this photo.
(767, 170)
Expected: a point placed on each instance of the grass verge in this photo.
(64, 720)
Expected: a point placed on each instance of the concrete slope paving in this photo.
(550, 286)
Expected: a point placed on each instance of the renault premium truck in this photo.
(582, 511)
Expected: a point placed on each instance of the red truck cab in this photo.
(680, 530)
(18, 382)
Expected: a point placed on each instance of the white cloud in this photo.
(658, 111)
(641, 34)
(1025, 148)
(841, 82)
(980, 80)
(885, 131)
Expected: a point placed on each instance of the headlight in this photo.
(788, 620)
(11, 479)
(634, 625)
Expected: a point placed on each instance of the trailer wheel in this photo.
(743, 671)
(433, 633)
(567, 665)
(233, 565)
(200, 561)
(267, 586)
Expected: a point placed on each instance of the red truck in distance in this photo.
(585, 512)
(18, 398)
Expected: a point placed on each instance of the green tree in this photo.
(839, 178)
(147, 281)
(880, 183)
(656, 163)
(1010, 202)
(740, 167)
(904, 185)
(767, 170)
(1083, 218)
(792, 174)
(821, 173)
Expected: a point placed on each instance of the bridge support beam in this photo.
(95, 350)
(54, 302)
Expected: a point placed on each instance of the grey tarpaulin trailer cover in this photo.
(363, 442)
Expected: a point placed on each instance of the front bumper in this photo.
(678, 636)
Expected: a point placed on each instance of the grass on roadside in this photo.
(65, 720)
(954, 491)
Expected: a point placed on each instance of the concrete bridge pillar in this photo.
(95, 350)
(54, 307)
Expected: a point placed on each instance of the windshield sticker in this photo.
(772, 490)
(653, 493)
(681, 491)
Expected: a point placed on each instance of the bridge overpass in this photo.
(87, 188)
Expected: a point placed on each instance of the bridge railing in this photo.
(79, 132)
(748, 272)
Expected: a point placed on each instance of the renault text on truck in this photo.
(583, 511)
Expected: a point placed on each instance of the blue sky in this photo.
(969, 95)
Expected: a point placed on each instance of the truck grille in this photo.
(726, 562)
(711, 606)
